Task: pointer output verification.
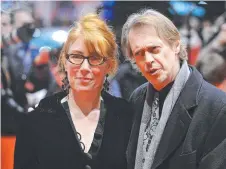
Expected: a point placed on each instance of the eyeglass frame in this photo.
(85, 57)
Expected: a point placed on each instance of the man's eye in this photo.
(154, 49)
(139, 53)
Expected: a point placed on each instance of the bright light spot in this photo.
(45, 49)
(60, 36)
(37, 33)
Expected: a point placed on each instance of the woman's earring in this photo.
(106, 83)
(66, 85)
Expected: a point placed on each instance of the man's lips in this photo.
(154, 71)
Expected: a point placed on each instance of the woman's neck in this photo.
(86, 101)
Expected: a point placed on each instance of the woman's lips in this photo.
(84, 78)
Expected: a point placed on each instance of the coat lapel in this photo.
(132, 145)
(179, 120)
(175, 131)
(60, 118)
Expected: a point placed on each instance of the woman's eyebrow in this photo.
(76, 51)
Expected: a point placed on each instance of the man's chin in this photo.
(158, 80)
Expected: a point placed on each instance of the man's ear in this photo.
(177, 47)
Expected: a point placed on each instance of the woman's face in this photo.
(84, 77)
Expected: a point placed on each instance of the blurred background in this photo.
(33, 32)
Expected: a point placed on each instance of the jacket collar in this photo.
(52, 104)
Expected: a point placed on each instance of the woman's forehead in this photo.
(88, 49)
(78, 46)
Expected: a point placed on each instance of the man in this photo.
(212, 60)
(11, 112)
(180, 119)
(126, 80)
(19, 54)
(6, 26)
(10, 108)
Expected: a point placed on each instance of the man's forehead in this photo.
(5, 18)
(22, 17)
(146, 33)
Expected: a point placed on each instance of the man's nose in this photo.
(85, 67)
(149, 59)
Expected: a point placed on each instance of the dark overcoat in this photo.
(195, 134)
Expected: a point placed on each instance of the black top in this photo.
(98, 135)
(47, 140)
(162, 95)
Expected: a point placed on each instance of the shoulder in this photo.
(211, 94)
(47, 105)
(205, 92)
(53, 99)
(139, 92)
(212, 111)
(117, 105)
(114, 101)
(211, 103)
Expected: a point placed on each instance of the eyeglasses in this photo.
(78, 59)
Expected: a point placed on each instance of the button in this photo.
(87, 167)
(88, 156)
(143, 160)
(95, 143)
(82, 146)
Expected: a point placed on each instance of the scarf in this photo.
(145, 160)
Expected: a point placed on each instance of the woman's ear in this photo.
(65, 64)
(108, 67)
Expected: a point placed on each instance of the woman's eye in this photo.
(94, 58)
(76, 56)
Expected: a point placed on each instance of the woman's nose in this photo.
(85, 67)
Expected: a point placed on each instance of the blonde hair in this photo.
(164, 27)
(99, 38)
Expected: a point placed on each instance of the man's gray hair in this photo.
(164, 27)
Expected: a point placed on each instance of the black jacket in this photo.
(46, 140)
(195, 134)
(128, 79)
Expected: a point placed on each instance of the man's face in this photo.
(22, 17)
(157, 61)
(6, 26)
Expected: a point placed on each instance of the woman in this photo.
(83, 127)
